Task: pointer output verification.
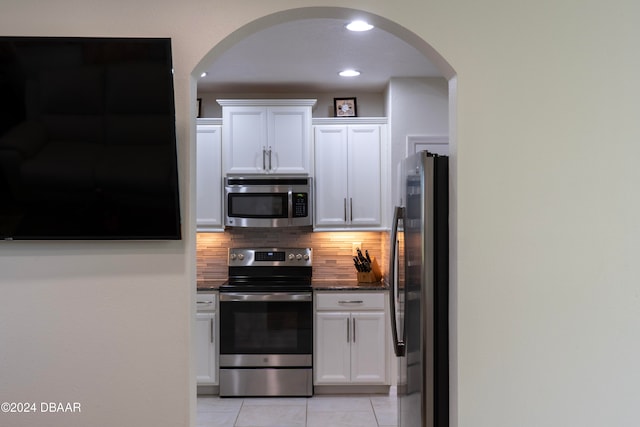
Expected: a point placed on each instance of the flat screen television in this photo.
(87, 139)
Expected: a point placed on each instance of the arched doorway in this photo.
(423, 48)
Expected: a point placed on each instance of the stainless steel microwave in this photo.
(269, 201)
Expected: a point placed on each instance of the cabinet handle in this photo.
(359, 301)
(348, 331)
(354, 330)
(211, 338)
(351, 209)
(204, 302)
(269, 157)
(264, 153)
(345, 209)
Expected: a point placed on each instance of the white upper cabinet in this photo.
(244, 139)
(208, 175)
(364, 175)
(331, 163)
(271, 136)
(350, 176)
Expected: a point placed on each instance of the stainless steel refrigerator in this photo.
(419, 278)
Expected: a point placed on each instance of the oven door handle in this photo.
(266, 296)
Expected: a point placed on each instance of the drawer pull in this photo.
(204, 302)
(350, 302)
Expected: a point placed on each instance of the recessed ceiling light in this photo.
(359, 26)
(204, 74)
(349, 73)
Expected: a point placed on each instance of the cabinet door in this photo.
(288, 141)
(208, 178)
(244, 138)
(332, 350)
(330, 150)
(206, 365)
(364, 175)
(368, 348)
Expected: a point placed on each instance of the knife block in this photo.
(366, 277)
(373, 276)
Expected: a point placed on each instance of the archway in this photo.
(326, 12)
(425, 49)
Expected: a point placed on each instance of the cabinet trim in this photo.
(266, 102)
(321, 121)
(209, 121)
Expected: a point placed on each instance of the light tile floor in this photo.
(317, 411)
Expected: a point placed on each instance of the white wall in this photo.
(547, 294)
(104, 324)
(369, 104)
(418, 106)
(415, 106)
(548, 236)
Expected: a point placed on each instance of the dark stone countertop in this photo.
(209, 285)
(347, 285)
(317, 285)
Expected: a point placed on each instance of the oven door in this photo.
(260, 329)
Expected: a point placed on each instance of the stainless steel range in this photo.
(266, 323)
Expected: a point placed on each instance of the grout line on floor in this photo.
(370, 398)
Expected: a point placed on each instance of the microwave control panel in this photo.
(300, 205)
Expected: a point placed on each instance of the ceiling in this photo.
(306, 55)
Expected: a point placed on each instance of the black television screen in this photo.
(87, 139)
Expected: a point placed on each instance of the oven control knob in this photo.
(299, 257)
(306, 257)
(291, 256)
(240, 257)
(232, 256)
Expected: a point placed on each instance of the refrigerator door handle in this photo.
(398, 344)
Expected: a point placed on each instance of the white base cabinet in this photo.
(206, 339)
(351, 339)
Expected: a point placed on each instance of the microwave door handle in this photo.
(290, 204)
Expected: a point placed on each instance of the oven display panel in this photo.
(269, 256)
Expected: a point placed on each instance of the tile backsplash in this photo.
(332, 259)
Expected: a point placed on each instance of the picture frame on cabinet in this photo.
(345, 107)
